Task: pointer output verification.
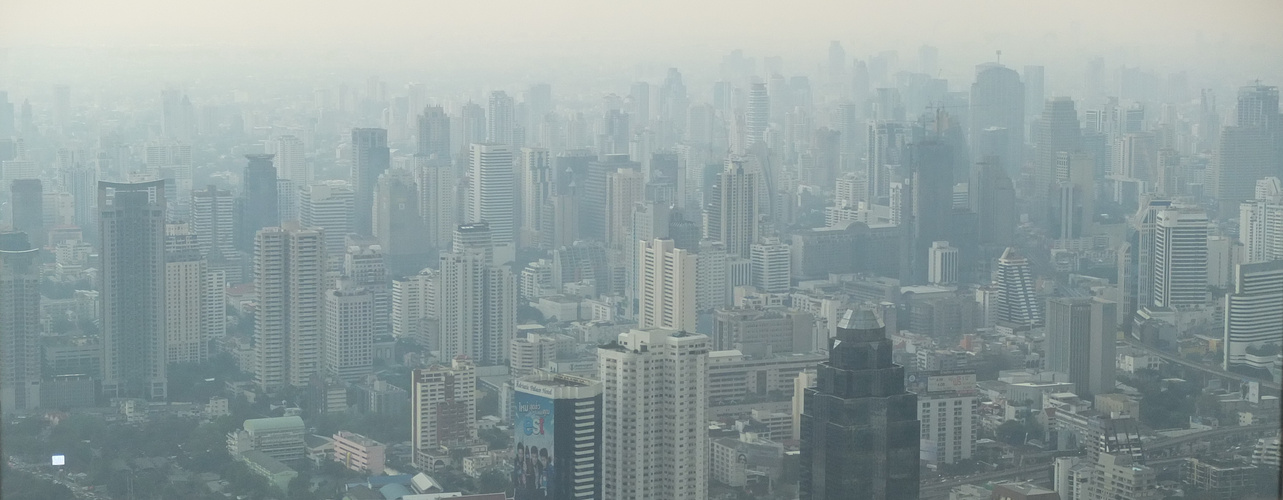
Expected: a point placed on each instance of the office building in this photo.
(132, 228)
(1242, 156)
(19, 324)
(993, 198)
(1253, 311)
(538, 189)
(998, 99)
(1109, 476)
(328, 207)
(887, 150)
(437, 186)
(359, 453)
(348, 341)
(443, 408)
(531, 350)
(213, 216)
(942, 264)
(1057, 131)
(370, 158)
(491, 194)
(365, 265)
(1261, 222)
(258, 200)
(625, 188)
(476, 300)
(289, 272)
(558, 430)
(1180, 258)
(501, 119)
(931, 162)
(413, 301)
(654, 406)
(665, 286)
(860, 431)
(280, 438)
(731, 207)
(27, 210)
(1081, 333)
(762, 333)
(772, 265)
(1018, 304)
(950, 423)
(195, 311)
(291, 161)
(434, 134)
(398, 225)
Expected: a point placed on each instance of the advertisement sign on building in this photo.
(533, 471)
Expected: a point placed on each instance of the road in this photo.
(1269, 384)
(933, 490)
(45, 472)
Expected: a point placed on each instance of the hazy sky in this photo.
(664, 22)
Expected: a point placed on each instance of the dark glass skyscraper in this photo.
(859, 425)
(131, 221)
(370, 158)
(259, 196)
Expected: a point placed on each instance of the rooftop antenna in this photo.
(999, 61)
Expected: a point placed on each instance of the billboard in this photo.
(533, 474)
(953, 382)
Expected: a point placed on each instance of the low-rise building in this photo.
(277, 474)
(280, 438)
(359, 453)
(1216, 479)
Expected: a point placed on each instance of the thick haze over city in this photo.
(649, 250)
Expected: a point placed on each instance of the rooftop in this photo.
(271, 465)
(274, 424)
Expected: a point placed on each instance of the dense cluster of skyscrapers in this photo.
(622, 273)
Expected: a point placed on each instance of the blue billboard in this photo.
(533, 474)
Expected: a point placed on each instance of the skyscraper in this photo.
(132, 227)
(328, 207)
(193, 296)
(887, 144)
(491, 195)
(397, 222)
(942, 264)
(731, 210)
(212, 220)
(993, 199)
(772, 265)
(1261, 222)
(998, 100)
(27, 207)
(665, 286)
(443, 408)
(759, 114)
(291, 162)
(1057, 131)
(370, 158)
(625, 188)
(557, 429)
(434, 133)
(289, 271)
(1081, 333)
(1242, 156)
(348, 341)
(1018, 305)
(1180, 258)
(538, 188)
(476, 300)
(1253, 311)
(931, 162)
(1035, 89)
(501, 119)
(259, 198)
(19, 323)
(654, 408)
(437, 199)
(859, 426)
(365, 265)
